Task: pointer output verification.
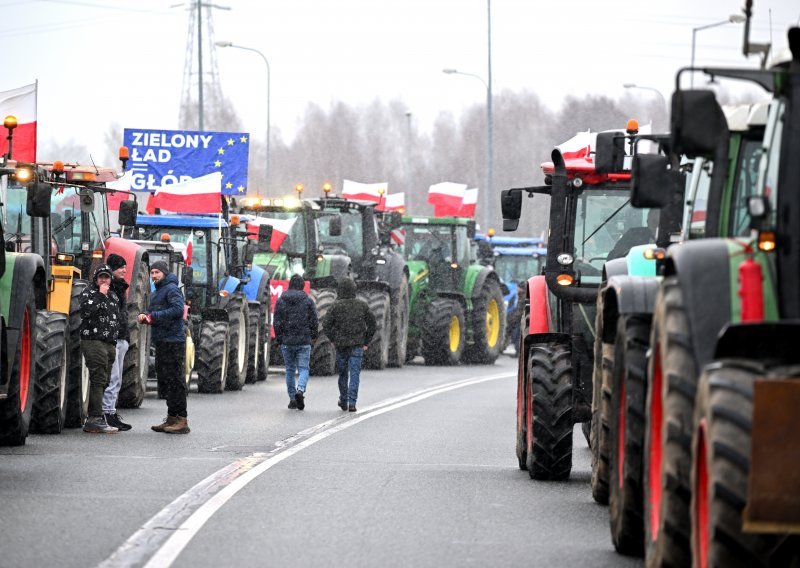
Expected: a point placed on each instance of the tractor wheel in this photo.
(626, 438)
(443, 330)
(211, 357)
(522, 426)
(135, 367)
(253, 341)
(188, 361)
(549, 412)
(601, 402)
(398, 342)
(16, 408)
(323, 353)
(377, 356)
(265, 341)
(721, 461)
(78, 384)
(488, 324)
(50, 402)
(672, 384)
(238, 314)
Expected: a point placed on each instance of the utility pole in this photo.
(200, 65)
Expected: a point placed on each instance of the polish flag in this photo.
(469, 203)
(124, 185)
(280, 230)
(446, 198)
(579, 146)
(198, 195)
(187, 256)
(393, 202)
(364, 191)
(20, 103)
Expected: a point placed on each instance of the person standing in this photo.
(98, 332)
(120, 287)
(165, 315)
(295, 323)
(350, 326)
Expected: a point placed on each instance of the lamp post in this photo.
(732, 19)
(659, 93)
(231, 44)
(488, 86)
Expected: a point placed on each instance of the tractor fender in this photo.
(362, 285)
(22, 269)
(457, 296)
(775, 342)
(483, 274)
(214, 314)
(703, 270)
(228, 284)
(417, 270)
(614, 268)
(319, 283)
(393, 271)
(133, 255)
(540, 320)
(257, 281)
(623, 295)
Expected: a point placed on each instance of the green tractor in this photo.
(457, 310)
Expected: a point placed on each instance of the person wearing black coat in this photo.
(165, 315)
(119, 269)
(295, 323)
(99, 309)
(349, 325)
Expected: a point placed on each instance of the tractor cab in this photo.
(443, 244)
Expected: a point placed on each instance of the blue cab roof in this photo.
(520, 251)
(199, 221)
(510, 241)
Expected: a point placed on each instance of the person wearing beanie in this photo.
(296, 327)
(165, 315)
(119, 269)
(99, 308)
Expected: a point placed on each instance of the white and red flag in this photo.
(20, 103)
(189, 248)
(198, 195)
(123, 183)
(393, 202)
(469, 203)
(579, 146)
(446, 198)
(280, 230)
(364, 191)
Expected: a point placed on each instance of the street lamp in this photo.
(231, 44)
(732, 19)
(488, 137)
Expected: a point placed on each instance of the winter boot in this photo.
(180, 426)
(168, 421)
(98, 425)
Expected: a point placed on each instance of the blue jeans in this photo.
(296, 357)
(348, 361)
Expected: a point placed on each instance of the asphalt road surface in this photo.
(423, 475)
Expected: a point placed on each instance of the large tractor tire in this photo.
(211, 357)
(521, 449)
(189, 357)
(549, 412)
(323, 353)
(626, 438)
(672, 384)
(238, 315)
(377, 356)
(601, 403)
(265, 340)
(488, 324)
(443, 332)
(136, 364)
(78, 384)
(398, 341)
(253, 342)
(16, 408)
(50, 402)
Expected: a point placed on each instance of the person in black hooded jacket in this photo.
(349, 325)
(120, 268)
(296, 327)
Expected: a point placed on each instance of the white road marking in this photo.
(182, 519)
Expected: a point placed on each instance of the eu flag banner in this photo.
(164, 157)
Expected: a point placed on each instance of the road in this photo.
(423, 475)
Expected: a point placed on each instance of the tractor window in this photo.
(200, 244)
(517, 268)
(462, 246)
(745, 186)
(769, 183)
(428, 242)
(295, 242)
(67, 222)
(15, 217)
(350, 242)
(699, 183)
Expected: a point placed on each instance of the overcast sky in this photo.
(100, 62)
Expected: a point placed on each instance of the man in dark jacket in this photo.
(165, 315)
(119, 268)
(350, 326)
(98, 332)
(295, 323)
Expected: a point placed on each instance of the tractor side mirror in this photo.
(759, 209)
(698, 124)
(471, 229)
(335, 227)
(87, 201)
(653, 183)
(609, 156)
(38, 203)
(127, 212)
(264, 238)
(511, 205)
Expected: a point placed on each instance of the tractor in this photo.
(591, 220)
(457, 312)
